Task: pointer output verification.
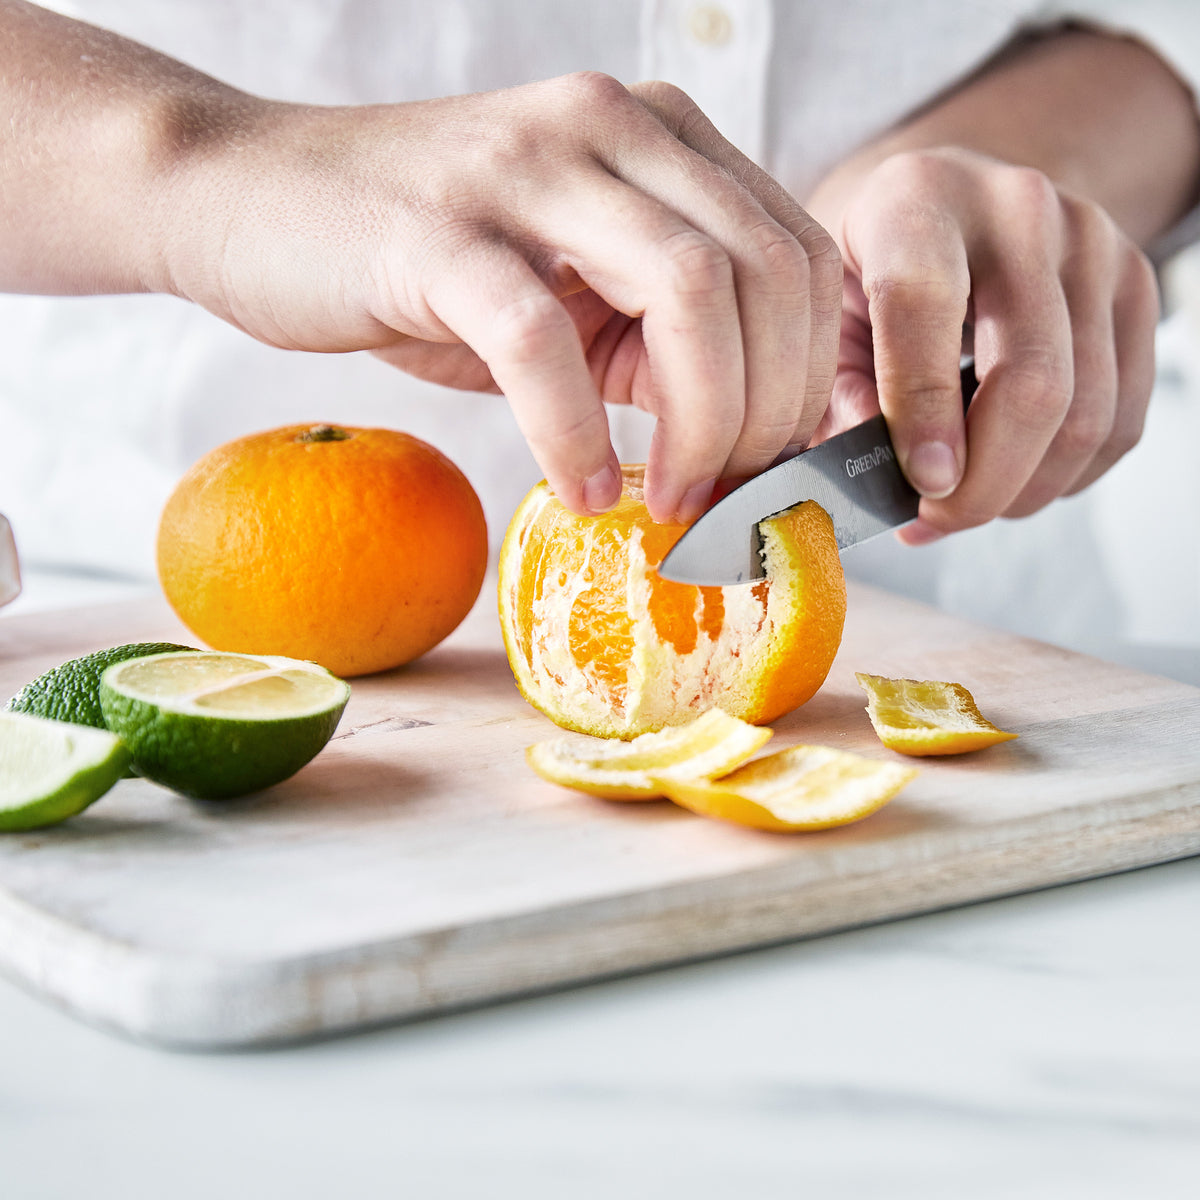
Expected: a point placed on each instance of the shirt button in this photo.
(710, 25)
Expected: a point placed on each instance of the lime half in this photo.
(71, 691)
(50, 770)
(214, 725)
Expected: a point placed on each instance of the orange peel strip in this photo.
(801, 788)
(927, 717)
(711, 745)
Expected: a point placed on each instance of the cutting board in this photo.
(417, 864)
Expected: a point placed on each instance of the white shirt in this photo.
(107, 400)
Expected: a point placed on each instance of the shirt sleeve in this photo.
(1172, 30)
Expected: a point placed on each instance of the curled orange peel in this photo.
(927, 717)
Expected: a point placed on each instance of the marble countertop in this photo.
(1045, 1045)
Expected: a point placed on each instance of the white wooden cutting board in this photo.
(418, 864)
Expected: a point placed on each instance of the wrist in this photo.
(100, 133)
(200, 168)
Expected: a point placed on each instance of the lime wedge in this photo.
(50, 770)
(71, 691)
(214, 725)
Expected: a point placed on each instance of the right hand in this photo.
(567, 243)
(1060, 306)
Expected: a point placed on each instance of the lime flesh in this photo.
(51, 770)
(213, 725)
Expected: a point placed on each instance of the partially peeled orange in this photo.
(601, 644)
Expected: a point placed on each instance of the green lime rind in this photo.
(208, 755)
(50, 770)
(71, 691)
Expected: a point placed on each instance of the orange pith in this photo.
(801, 788)
(711, 745)
(925, 717)
(358, 549)
(602, 644)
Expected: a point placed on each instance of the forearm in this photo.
(1101, 116)
(97, 128)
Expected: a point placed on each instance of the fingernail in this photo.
(919, 533)
(932, 469)
(602, 490)
(694, 502)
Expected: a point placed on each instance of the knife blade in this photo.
(853, 476)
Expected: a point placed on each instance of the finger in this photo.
(492, 299)
(1135, 316)
(1023, 354)
(855, 395)
(647, 261)
(1019, 405)
(787, 269)
(455, 365)
(913, 262)
(1089, 280)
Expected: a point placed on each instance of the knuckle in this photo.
(696, 265)
(930, 294)
(1093, 226)
(585, 92)
(569, 110)
(1040, 388)
(758, 448)
(1084, 432)
(825, 265)
(782, 260)
(767, 428)
(911, 170)
(1030, 192)
(670, 101)
(923, 397)
(529, 329)
(560, 431)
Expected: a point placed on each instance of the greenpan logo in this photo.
(868, 462)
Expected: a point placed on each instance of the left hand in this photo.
(948, 251)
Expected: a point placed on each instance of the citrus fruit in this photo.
(214, 725)
(71, 691)
(925, 717)
(713, 744)
(50, 770)
(801, 788)
(602, 644)
(359, 549)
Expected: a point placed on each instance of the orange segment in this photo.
(600, 643)
(926, 717)
(711, 745)
(801, 788)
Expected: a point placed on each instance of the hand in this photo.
(948, 251)
(567, 243)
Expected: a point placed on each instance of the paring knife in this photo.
(853, 476)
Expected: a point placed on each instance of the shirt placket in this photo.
(718, 53)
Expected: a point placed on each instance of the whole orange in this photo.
(601, 643)
(358, 549)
